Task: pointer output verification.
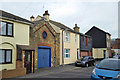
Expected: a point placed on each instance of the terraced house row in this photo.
(28, 45)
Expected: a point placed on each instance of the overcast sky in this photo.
(85, 13)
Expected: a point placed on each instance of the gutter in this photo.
(16, 20)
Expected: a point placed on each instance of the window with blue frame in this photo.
(67, 53)
(44, 34)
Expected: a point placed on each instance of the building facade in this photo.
(101, 41)
(54, 43)
(71, 45)
(14, 31)
(85, 45)
(115, 46)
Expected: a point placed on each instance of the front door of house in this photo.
(28, 61)
(77, 53)
(104, 52)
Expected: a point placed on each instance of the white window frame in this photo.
(65, 53)
(75, 38)
(67, 37)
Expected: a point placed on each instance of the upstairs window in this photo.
(44, 35)
(6, 29)
(82, 38)
(67, 37)
(75, 38)
(88, 39)
(85, 41)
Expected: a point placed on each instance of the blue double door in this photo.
(44, 57)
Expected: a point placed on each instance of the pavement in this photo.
(66, 71)
(50, 70)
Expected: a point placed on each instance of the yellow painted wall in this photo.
(98, 52)
(73, 46)
(21, 37)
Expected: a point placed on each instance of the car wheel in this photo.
(76, 65)
(87, 65)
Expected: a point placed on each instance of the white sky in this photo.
(85, 13)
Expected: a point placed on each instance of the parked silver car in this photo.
(117, 56)
(85, 61)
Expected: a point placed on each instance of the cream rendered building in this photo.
(13, 31)
(99, 53)
(71, 47)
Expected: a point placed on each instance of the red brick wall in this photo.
(13, 73)
(19, 71)
(85, 53)
(90, 53)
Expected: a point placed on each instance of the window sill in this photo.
(66, 58)
(6, 36)
(67, 41)
(6, 63)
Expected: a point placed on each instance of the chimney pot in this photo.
(46, 15)
(32, 18)
(46, 11)
(75, 25)
(76, 28)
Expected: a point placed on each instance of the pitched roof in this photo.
(98, 29)
(62, 26)
(57, 24)
(37, 22)
(84, 35)
(10, 16)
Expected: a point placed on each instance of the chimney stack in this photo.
(76, 28)
(32, 18)
(46, 15)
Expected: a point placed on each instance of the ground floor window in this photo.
(67, 53)
(5, 56)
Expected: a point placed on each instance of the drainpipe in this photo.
(62, 49)
(80, 44)
(55, 51)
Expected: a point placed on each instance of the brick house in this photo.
(14, 33)
(101, 41)
(115, 45)
(51, 41)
